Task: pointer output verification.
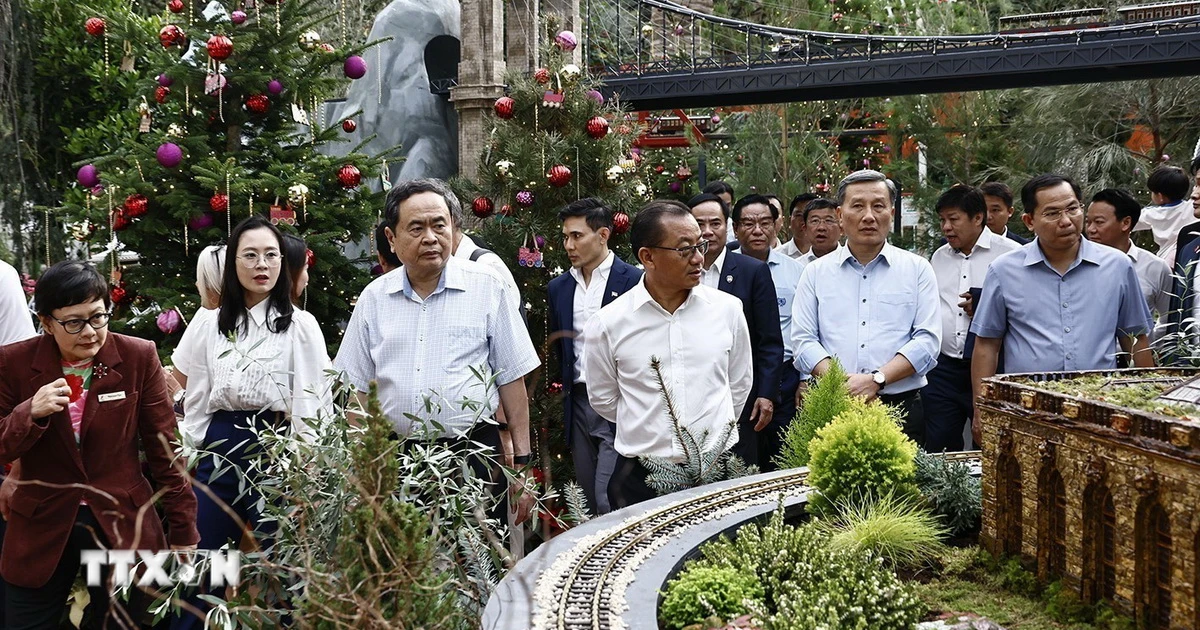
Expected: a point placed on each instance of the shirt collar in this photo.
(774, 257)
(600, 272)
(639, 296)
(719, 263)
(452, 278)
(259, 312)
(1088, 252)
(1134, 251)
(466, 247)
(843, 254)
(983, 242)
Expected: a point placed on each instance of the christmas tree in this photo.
(554, 140)
(230, 125)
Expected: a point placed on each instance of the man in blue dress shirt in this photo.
(870, 305)
(1059, 303)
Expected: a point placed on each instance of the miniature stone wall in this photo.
(1105, 498)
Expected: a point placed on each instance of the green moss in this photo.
(1122, 393)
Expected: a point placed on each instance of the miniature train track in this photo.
(585, 589)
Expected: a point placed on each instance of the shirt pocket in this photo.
(464, 346)
(896, 311)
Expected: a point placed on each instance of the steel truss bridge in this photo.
(656, 54)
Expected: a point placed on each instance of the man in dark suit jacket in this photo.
(596, 278)
(750, 281)
(999, 199)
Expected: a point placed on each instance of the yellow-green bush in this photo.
(704, 591)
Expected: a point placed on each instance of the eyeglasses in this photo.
(686, 252)
(1053, 216)
(829, 222)
(762, 224)
(250, 260)
(75, 326)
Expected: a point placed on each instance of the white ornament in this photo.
(615, 173)
(503, 166)
(641, 189)
(310, 40)
(174, 130)
(571, 72)
(298, 193)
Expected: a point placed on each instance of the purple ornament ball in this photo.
(596, 96)
(97, 190)
(169, 154)
(238, 17)
(168, 321)
(675, 187)
(87, 176)
(541, 241)
(201, 222)
(165, 80)
(275, 87)
(566, 40)
(355, 67)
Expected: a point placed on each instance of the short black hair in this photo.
(1046, 180)
(68, 283)
(594, 212)
(820, 203)
(998, 189)
(1123, 202)
(295, 254)
(750, 200)
(1170, 181)
(647, 223)
(402, 191)
(706, 197)
(969, 199)
(384, 247)
(802, 200)
(718, 187)
(1195, 166)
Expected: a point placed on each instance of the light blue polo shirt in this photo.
(785, 273)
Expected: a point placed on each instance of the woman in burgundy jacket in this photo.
(78, 404)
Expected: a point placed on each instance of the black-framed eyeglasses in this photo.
(686, 252)
(75, 326)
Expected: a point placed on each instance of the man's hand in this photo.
(863, 385)
(801, 390)
(6, 493)
(521, 492)
(976, 428)
(762, 413)
(968, 304)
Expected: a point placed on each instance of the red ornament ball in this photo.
(94, 26)
(120, 221)
(620, 223)
(258, 103)
(117, 294)
(505, 210)
(175, 6)
(554, 388)
(349, 176)
(597, 127)
(136, 205)
(219, 47)
(659, 169)
(541, 75)
(482, 207)
(310, 258)
(559, 175)
(171, 35)
(349, 125)
(504, 107)
(161, 93)
(219, 202)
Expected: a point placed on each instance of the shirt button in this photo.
(864, 323)
(864, 300)
(863, 346)
(864, 277)
(1067, 329)
(1064, 305)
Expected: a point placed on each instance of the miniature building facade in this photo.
(1105, 498)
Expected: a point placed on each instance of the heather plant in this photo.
(862, 455)
(955, 494)
(701, 592)
(825, 400)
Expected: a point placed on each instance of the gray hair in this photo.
(406, 189)
(210, 269)
(862, 177)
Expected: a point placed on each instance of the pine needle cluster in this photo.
(953, 491)
(827, 398)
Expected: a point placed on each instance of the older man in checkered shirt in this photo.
(431, 332)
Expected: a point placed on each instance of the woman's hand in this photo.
(51, 399)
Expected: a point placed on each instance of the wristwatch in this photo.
(879, 378)
(522, 460)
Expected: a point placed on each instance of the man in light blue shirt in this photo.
(872, 306)
(1061, 302)
(754, 223)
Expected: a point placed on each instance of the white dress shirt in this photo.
(704, 350)
(588, 299)
(711, 277)
(790, 249)
(866, 315)
(785, 275)
(956, 272)
(467, 246)
(16, 323)
(258, 369)
(1154, 274)
(430, 355)
(1165, 223)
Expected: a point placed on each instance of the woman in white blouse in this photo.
(257, 353)
(210, 266)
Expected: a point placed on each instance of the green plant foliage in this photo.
(862, 455)
(901, 530)
(827, 398)
(808, 583)
(702, 591)
(954, 492)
